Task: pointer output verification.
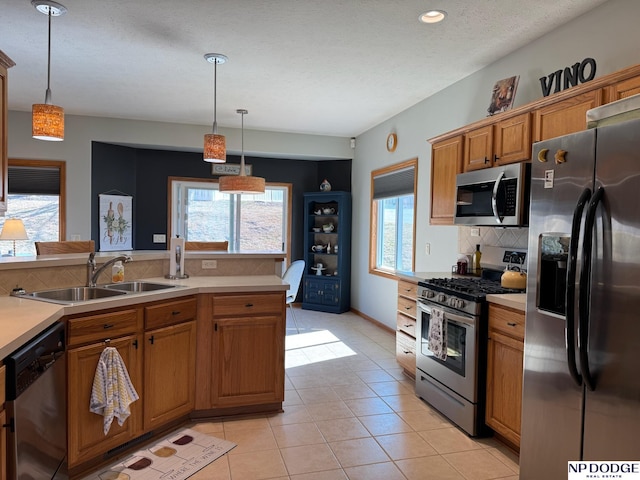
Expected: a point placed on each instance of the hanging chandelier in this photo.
(47, 120)
(215, 148)
(241, 183)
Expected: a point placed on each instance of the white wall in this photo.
(608, 34)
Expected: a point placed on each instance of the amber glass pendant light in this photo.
(215, 145)
(241, 183)
(47, 120)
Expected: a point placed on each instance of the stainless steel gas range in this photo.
(454, 311)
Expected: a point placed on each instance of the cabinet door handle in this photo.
(496, 158)
(107, 326)
(486, 159)
(175, 312)
(135, 343)
(151, 339)
(511, 324)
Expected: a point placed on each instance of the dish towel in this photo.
(112, 391)
(438, 334)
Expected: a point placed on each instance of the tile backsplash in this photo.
(494, 236)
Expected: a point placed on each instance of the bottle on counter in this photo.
(117, 272)
(475, 263)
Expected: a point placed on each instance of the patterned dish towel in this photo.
(112, 390)
(438, 334)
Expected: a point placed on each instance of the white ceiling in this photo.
(330, 67)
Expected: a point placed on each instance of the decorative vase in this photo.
(325, 186)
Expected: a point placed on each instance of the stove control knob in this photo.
(430, 294)
(461, 303)
(442, 297)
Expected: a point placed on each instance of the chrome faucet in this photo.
(93, 271)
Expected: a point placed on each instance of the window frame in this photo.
(60, 165)
(374, 216)
(289, 203)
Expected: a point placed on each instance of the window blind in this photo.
(34, 180)
(394, 184)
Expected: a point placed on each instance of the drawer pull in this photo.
(408, 325)
(511, 324)
(107, 326)
(406, 352)
(175, 312)
(408, 308)
(249, 305)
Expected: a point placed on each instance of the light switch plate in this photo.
(159, 238)
(475, 232)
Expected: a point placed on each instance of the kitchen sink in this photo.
(137, 286)
(73, 294)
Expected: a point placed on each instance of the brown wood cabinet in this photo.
(565, 116)
(406, 327)
(3, 428)
(622, 89)
(5, 64)
(504, 372)
(169, 361)
(446, 163)
(478, 148)
(240, 351)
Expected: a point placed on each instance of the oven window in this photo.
(456, 341)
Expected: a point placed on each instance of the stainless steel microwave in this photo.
(497, 196)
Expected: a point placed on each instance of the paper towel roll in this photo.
(176, 268)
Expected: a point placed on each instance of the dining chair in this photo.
(207, 246)
(74, 246)
(293, 276)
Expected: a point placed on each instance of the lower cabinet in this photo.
(406, 327)
(3, 428)
(157, 343)
(504, 372)
(322, 291)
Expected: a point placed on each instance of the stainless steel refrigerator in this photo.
(581, 387)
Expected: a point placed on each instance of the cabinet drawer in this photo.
(252, 304)
(407, 306)
(407, 289)
(103, 326)
(406, 352)
(406, 324)
(506, 320)
(169, 313)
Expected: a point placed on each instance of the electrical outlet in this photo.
(207, 264)
(475, 232)
(75, 237)
(159, 238)
(427, 249)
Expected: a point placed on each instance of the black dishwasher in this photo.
(36, 407)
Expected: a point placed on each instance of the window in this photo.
(36, 195)
(393, 218)
(258, 223)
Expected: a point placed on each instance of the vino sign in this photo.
(579, 72)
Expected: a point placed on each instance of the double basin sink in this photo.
(70, 295)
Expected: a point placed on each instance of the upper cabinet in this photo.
(565, 116)
(5, 64)
(507, 137)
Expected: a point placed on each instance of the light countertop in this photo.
(512, 300)
(22, 319)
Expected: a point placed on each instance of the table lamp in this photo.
(13, 229)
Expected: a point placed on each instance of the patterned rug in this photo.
(175, 457)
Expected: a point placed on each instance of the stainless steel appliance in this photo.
(581, 392)
(456, 385)
(497, 196)
(36, 406)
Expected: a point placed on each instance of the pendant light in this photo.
(47, 120)
(241, 183)
(215, 149)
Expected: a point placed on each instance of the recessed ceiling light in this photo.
(432, 16)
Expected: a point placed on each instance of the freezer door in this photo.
(552, 399)
(612, 417)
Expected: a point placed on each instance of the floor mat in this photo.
(175, 457)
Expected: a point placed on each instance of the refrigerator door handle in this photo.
(570, 338)
(583, 305)
(494, 198)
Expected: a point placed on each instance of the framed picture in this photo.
(115, 222)
(503, 94)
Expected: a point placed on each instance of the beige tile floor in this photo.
(350, 413)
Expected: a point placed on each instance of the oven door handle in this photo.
(449, 315)
(570, 329)
(494, 198)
